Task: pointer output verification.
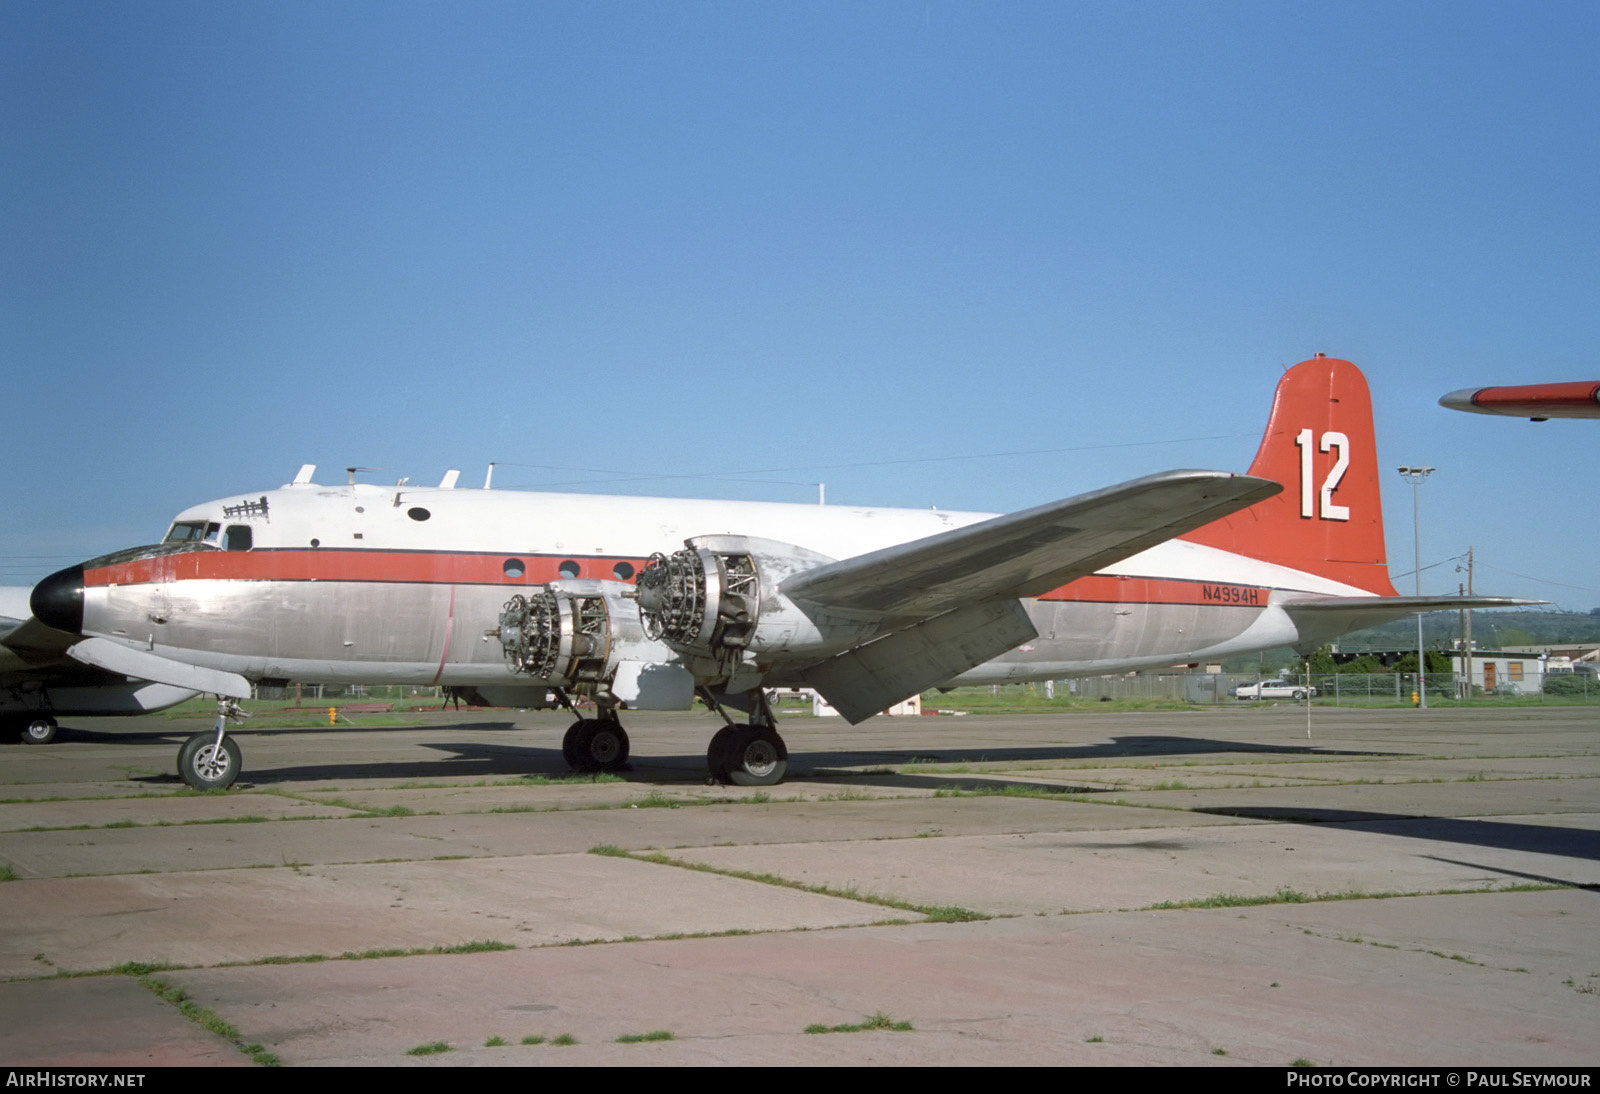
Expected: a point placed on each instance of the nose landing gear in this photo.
(212, 760)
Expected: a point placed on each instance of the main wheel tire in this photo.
(719, 753)
(205, 766)
(569, 743)
(598, 744)
(758, 757)
(39, 731)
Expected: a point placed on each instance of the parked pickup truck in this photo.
(1274, 689)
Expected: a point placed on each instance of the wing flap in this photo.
(861, 682)
(1026, 553)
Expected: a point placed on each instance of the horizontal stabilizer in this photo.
(1320, 618)
(1028, 553)
(143, 665)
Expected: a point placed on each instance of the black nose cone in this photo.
(57, 601)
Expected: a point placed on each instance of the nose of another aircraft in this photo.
(57, 601)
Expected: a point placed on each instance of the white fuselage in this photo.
(368, 584)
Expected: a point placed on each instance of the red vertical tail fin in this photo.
(1320, 445)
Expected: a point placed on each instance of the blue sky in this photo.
(744, 248)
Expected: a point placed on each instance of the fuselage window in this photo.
(417, 512)
(622, 571)
(568, 568)
(513, 567)
(192, 531)
(237, 538)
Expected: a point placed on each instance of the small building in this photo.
(1497, 672)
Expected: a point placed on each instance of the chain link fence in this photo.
(1338, 689)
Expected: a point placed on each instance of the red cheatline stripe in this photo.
(417, 567)
(432, 568)
(1105, 588)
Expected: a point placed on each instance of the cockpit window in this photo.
(237, 538)
(134, 554)
(193, 531)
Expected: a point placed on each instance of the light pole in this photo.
(1416, 476)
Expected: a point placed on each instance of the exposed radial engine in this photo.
(572, 634)
(720, 599)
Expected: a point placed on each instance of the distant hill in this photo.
(1490, 630)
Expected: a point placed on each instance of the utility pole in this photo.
(1416, 476)
(1469, 624)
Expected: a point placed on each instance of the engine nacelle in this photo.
(721, 598)
(574, 633)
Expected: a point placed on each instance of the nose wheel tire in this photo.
(748, 756)
(595, 744)
(39, 731)
(205, 765)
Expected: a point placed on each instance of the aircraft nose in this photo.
(57, 601)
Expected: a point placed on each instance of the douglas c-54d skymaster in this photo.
(644, 603)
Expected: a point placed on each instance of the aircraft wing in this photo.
(1026, 553)
(953, 600)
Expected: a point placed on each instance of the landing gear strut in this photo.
(212, 760)
(748, 755)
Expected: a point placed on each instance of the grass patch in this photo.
(564, 1039)
(533, 1039)
(7, 874)
(480, 946)
(1011, 790)
(1294, 896)
(611, 850)
(494, 1042)
(936, 914)
(653, 1035)
(432, 1048)
(656, 799)
(207, 1019)
(1234, 900)
(880, 1020)
(1095, 1040)
(486, 945)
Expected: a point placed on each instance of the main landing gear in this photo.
(747, 755)
(39, 730)
(751, 754)
(595, 744)
(212, 760)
